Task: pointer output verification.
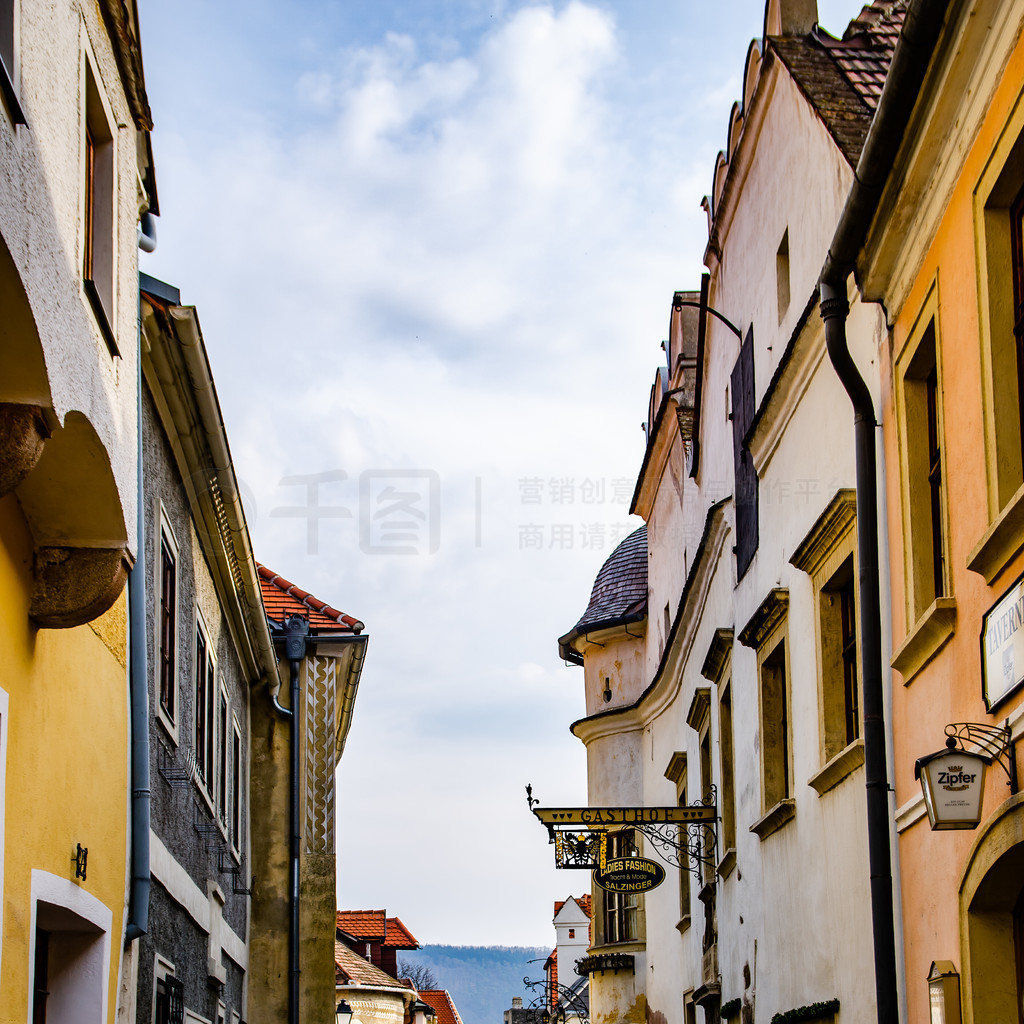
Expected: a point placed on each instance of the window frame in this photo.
(236, 785)
(622, 908)
(99, 204)
(1000, 183)
(9, 64)
(165, 534)
(767, 633)
(206, 753)
(828, 555)
(676, 772)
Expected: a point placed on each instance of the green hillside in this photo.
(482, 979)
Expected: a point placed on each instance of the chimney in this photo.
(517, 1002)
(790, 17)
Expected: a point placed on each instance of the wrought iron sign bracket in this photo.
(685, 837)
(993, 742)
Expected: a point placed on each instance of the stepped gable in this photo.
(843, 78)
(281, 597)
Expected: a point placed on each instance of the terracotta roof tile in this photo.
(281, 598)
(397, 936)
(352, 969)
(583, 902)
(443, 1006)
(370, 925)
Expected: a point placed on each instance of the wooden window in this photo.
(205, 710)
(684, 866)
(727, 797)
(7, 37)
(236, 786)
(223, 729)
(775, 726)
(782, 275)
(746, 488)
(169, 995)
(620, 909)
(922, 417)
(840, 687)
(98, 205)
(168, 629)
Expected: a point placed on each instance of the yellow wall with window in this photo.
(67, 779)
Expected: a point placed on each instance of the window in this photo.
(99, 223)
(746, 476)
(717, 669)
(205, 709)
(8, 50)
(236, 786)
(998, 208)
(676, 772)
(40, 976)
(223, 730)
(767, 634)
(167, 628)
(828, 555)
(782, 275)
(169, 995)
(620, 909)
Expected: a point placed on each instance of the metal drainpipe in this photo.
(138, 905)
(921, 28)
(296, 633)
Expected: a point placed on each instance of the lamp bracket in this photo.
(990, 741)
(685, 836)
(569, 1003)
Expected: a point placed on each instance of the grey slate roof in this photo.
(619, 595)
(843, 78)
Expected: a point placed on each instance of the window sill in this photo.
(783, 811)
(1001, 541)
(683, 924)
(170, 729)
(100, 315)
(933, 629)
(727, 863)
(848, 760)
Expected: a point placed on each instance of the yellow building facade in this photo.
(939, 258)
(74, 162)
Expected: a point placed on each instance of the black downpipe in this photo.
(921, 27)
(296, 635)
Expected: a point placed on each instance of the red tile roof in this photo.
(443, 1006)
(398, 936)
(281, 598)
(376, 926)
(370, 925)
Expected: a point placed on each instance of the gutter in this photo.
(138, 674)
(921, 27)
(247, 583)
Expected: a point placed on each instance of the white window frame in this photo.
(205, 786)
(236, 823)
(162, 968)
(221, 756)
(165, 532)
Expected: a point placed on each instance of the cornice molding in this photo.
(837, 519)
(719, 653)
(771, 612)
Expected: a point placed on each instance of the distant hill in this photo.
(482, 979)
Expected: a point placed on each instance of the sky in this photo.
(432, 245)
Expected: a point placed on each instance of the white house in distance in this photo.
(720, 644)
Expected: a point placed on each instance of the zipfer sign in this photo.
(630, 874)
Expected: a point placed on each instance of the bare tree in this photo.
(420, 975)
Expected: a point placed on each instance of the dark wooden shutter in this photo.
(745, 492)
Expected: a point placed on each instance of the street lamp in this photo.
(343, 1013)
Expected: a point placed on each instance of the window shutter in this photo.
(745, 492)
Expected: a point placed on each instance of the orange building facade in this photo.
(945, 257)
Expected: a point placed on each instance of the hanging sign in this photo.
(1002, 646)
(630, 874)
(953, 782)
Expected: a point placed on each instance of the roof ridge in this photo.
(314, 604)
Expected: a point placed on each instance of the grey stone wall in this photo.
(181, 814)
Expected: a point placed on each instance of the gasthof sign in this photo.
(1002, 645)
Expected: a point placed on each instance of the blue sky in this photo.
(433, 247)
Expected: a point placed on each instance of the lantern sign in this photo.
(953, 781)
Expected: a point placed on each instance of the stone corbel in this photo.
(76, 585)
(23, 432)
